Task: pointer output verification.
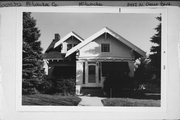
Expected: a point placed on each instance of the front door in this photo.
(92, 75)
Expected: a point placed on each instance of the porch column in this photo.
(45, 66)
(50, 71)
(79, 76)
(131, 68)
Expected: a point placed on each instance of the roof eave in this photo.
(114, 34)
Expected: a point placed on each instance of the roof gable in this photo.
(68, 36)
(51, 46)
(112, 33)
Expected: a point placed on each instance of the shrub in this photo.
(28, 87)
(116, 85)
(47, 86)
(65, 86)
(58, 86)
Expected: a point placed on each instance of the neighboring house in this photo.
(92, 60)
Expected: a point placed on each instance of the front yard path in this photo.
(90, 101)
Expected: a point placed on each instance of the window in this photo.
(105, 48)
(69, 46)
(92, 74)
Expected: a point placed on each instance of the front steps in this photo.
(92, 91)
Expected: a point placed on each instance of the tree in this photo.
(32, 71)
(156, 49)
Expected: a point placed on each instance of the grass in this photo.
(55, 100)
(130, 102)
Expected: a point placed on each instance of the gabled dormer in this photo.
(69, 41)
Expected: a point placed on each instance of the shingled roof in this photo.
(112, 33)
(68, 36)
(54, 55)
(54, 49)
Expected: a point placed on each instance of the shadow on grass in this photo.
(136, 94)
(141, 99)
(154, 96)
(139, 95)
(47, 100)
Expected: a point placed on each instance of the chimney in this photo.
(56, 36)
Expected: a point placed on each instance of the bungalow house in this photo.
(93, 60)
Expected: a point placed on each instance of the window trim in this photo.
(105, 47)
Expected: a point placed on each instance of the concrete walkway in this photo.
(90, 101)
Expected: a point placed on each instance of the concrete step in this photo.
(92, 91)
(90, 101)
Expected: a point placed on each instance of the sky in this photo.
(136, 28)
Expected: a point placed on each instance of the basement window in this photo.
(105, 47)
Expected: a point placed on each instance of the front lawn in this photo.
(130, 102)
(55, 100)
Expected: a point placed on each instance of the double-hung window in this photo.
(69, 46)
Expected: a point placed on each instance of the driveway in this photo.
(90, 101)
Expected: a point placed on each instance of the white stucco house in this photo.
(90, 61)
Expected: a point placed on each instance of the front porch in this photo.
(100, 73)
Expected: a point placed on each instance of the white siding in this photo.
(117, 49)
(79, 72)
(71, 40)
(45, 67)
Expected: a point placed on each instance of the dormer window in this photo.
(105, 47)
(75, 44)
(69, 46)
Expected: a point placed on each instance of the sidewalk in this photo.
(90, 101)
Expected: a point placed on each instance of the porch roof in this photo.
(54, 55)
(109, 31)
